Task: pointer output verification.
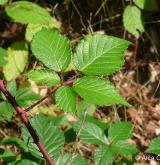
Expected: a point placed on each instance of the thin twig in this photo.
(53, 89)
(26, 122)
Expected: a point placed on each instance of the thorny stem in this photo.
(68, 82)
(26, 122)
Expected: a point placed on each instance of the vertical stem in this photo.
(26, 122)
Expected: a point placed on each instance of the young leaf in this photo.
(66, 99)
(120, 131)
(17, 59)
(59, 120)
(3, 54)
(123, 148)
(103, 156)
(146, 4)
(100, 54)
(28, 12)
(52, 48)
(90, 133)
(51, 136)
(154, 147)
(132, 20)
(44, 76)
(98, 91)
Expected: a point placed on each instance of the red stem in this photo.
(68, 82)
(26, 122)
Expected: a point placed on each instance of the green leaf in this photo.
(98, 91)
(7, 155)
(51, 136)
(6, 111)
(103, 156)
(44, 76)
(62, 159)
(59, 120)
(25, 97)
(28, 12)
(78, 161)
(15, 141)
(120, 131)
(66, 99)
(17, 59)
(3, 54)
(100, 54)
(26, 162)
(52, 48)
(132, 20)
(146, 4)
(83, 105)
(154, 147)
(3, 2)
(90, 133)
(123, 148)
(32, 29)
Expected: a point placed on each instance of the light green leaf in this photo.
(51, 136)
(146, 4)
(44, 76)
(98, 91)
(90, 133)
(123, 148)
(52, 48)
(25, 97)
(62, 159)
(83, 105)
(132, 20)
(3, 2)
(26, 162)
(6, 111)
(78, 161)
(17, 59)
(103, 156)
(3, 54)
(15, 141)
(154, 147)
(66, 99)
(59, 120)
(28, 12)
(120, 131)
(7, 155)
(32, 29)
(100, 54)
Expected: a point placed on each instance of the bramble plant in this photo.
(94, 57)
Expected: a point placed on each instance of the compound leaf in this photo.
(132, 20)
(100, 54)
(44, 76)
(28, 12)
(120, 131)
(51, 136)
(52, 48)
(98, 91)
(66, 99)
(17, 59)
